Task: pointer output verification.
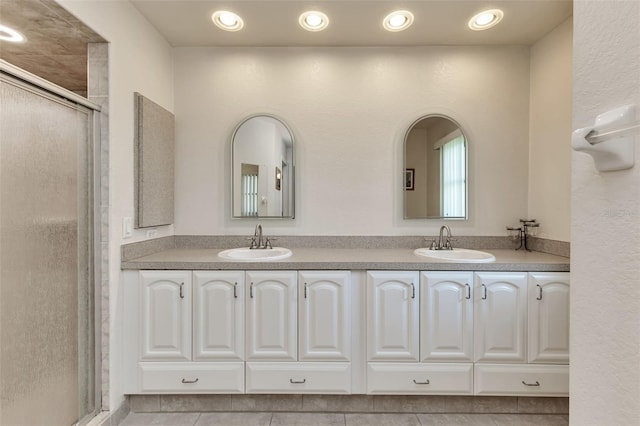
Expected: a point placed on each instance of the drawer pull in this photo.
(190, 381)
(298, 382)
(421, 383)
(537, 383)
(468, 291)
(484, 292)
(539, 292)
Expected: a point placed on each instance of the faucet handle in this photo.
(253, 244)
(267, 242)
(433, 245)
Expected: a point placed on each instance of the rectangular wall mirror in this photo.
(154, 163)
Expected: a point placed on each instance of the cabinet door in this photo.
(271, 315)
(165, 317)
(500, 313)
(325, 323)
(549, 317)
(218, 315)
(392, 316)
(446, 316)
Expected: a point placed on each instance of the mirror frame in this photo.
(293, 168)
(404, 167)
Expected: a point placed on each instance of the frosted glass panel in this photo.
(45, 260)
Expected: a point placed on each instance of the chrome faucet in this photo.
(444, 241)
(258, 241)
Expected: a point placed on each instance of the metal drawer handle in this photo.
(421, 383)
(298, 382)
(539, 292)
(190, 381)
(537, 383)
(484, 292)
(468, 291)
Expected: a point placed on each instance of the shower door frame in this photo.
(46, 89)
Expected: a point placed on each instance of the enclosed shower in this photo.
(47, 262)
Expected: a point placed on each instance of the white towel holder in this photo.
(611, 140)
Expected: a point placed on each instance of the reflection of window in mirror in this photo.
(453, 174)
(249, 185)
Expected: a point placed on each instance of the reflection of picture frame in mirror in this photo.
(278, 178)
(408, 179)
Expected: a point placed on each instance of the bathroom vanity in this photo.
(346, 321)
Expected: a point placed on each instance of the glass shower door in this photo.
(47, 327)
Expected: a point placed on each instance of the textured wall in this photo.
(550, 133)
(605, 233)
(349, 109)
(140, 60)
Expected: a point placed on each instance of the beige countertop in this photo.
(348, 259)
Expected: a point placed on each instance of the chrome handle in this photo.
(421, 383)
(251, 290)
(484, 292)
(468, 291)
(537, 383)
(297, 382)
(190, 381)
(181, 290)
(539, 292)
(413, 291)
(235, 290)
(305, 290)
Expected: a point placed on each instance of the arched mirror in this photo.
(435, 169)
(262, 168)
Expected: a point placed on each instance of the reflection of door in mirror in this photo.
(262, 178)
(435, 148)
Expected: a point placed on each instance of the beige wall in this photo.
(140, 60)
(550, 133)
(605, 224)
(349, 109)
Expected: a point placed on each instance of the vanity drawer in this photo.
(409, 378)
(296, 377)
(219, 377)
(515, 379)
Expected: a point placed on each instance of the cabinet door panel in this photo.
(446, 316)
(165, 317)
(218, 328)
(392, 315)
(500, 316)
(325, 322)
(549, 317)
(271, 315)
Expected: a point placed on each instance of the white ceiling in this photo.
(352, 22)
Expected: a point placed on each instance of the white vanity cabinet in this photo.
(446, 316)
(522, 334)
(165, 315)
(184, 332)
(392, 316)
(272, 320)
(298, 332)
(500, 316)
(414, 317)
(549, 317)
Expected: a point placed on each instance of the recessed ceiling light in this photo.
(227, 21)
(313, 20)
(486, 19)
(398, 20)
(9, 34)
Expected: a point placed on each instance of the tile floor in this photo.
(350, 419)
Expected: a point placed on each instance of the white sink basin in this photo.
(246, 254)
(457, 255)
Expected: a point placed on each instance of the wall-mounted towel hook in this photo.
(611, 140)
